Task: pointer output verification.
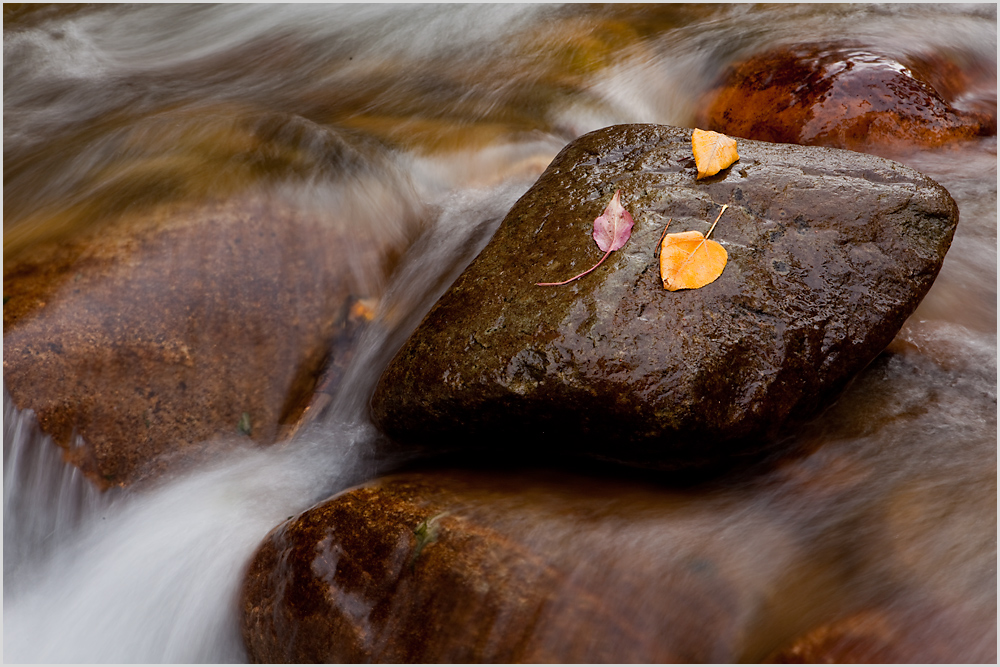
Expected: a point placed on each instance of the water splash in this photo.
(155, 576)
(44, 499)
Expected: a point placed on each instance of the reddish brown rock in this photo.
(150, 336)
(906, 631)
(844, 97)
(451, 566)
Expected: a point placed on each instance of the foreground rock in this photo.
(453, 566)
(829, 252)
(176, 333)
(845, 97)
(874, 542)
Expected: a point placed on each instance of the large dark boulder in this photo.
(829, 253)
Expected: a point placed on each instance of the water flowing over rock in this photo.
(829, 253)
(844, 97)
(908, 631)
(194, 125)
(174, 334)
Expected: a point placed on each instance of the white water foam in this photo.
(156, 576)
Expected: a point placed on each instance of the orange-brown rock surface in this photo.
(908, 631)
(464, 566)
(149, 336)
(845, 97)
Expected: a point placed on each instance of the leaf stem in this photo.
(724, 207)
(579, 276)
(660, 242)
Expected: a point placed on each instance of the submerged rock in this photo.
(463, 566)
(176, 333)
(844, 97)
(829, 253)
(910, 630)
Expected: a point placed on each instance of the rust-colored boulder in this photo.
(147, 337)
(841, 96)
(465, 566)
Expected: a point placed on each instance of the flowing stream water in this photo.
(471, 102)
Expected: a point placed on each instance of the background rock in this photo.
(175, 333)
(845, 97)
(829, 252)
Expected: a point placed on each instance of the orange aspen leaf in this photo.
(689, 260)
(713, 152)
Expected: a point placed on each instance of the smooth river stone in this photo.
(906, 631)
(844, 97)
(829, 253)
(482, 566)
(170, 336)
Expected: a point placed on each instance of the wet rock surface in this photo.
(829, 252)
(169, 336)
(847, 97)
(467, 566)
(908, 631)
(875, 542)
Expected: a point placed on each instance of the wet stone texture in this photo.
(876, 542)
(172, 335)
(908, 631)
(472, 566)
(829, 252)
(844, 97)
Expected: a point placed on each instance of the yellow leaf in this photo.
(689, 260)
(713, 152)
(363, 309)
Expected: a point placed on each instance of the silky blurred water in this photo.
(452, 111)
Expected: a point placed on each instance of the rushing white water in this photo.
(156, 577)
(153, 574)
(44, 499)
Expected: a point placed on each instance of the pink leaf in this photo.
(611, 230)
(613, 227)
